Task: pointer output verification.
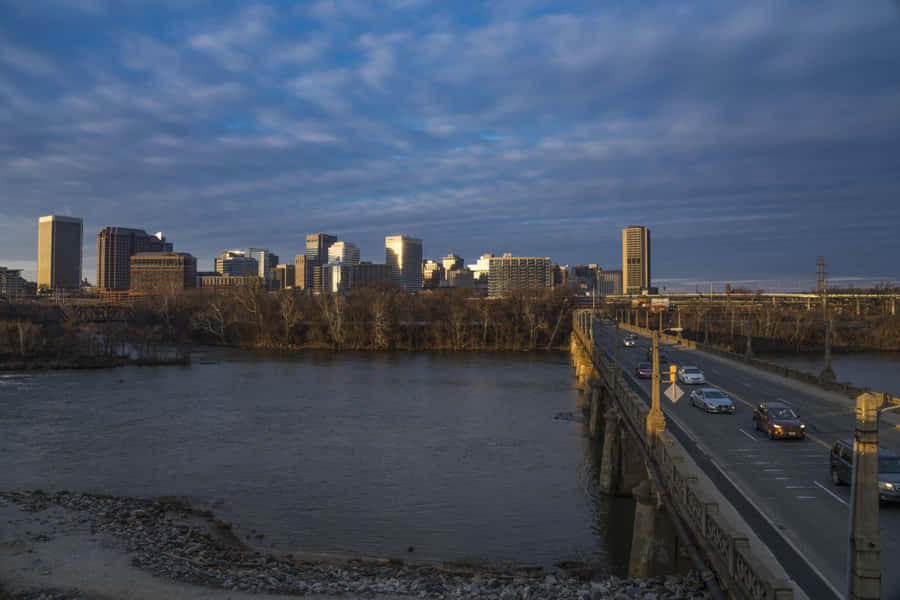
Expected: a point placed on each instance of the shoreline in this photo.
(88, 364)
(173, 550)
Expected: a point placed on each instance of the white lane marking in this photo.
(745, 384)
(748, 435)
(806, 497)
(781, 478)
(797, 487)
(773, 469)
(784, 536)
(832, 494)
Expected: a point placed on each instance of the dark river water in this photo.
(879, 371)
(456, 455)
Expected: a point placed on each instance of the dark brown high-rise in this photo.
(115, 247)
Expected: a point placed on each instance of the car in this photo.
(841, 464)
(691, 376)
(778, 421)
(712, 400)
(629, 342)
(644, 370)
(663, 358)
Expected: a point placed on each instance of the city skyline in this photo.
(749, 138)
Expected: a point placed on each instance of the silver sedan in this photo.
(691, 376)
(712, 400)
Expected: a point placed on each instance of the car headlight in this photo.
(777, 426)
(803, 427)
(885, 485)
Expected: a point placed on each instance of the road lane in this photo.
(788, 480)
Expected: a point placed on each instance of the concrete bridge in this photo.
(777, 495)
(678, 510)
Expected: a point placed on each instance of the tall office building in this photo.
(509, 273)
(404, 254)
(302, 273)
(237, 264)
(453, 261)
(265, 260)
(317, 245)
(343, 253)
(282, 277)
(115, 247)
(635, 259)
(60, 245)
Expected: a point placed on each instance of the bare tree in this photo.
(289, 308)
(212, 320)
(333, 309)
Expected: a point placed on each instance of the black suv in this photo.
(841, 459)
(663, 357)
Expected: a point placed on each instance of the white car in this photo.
(629, 342)
(691, 376)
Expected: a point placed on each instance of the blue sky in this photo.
(750, 137)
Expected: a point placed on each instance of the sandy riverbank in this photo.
(84, 547)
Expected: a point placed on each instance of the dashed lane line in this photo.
(748, 435)
(751, 405)
(832, 494)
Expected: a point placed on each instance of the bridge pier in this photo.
(654, 547)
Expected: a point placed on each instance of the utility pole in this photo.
(706, 333)
(827, 373)
(864, 564)
(656, 421)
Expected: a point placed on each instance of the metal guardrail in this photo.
(726, 547)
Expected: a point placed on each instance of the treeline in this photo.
(386, 319)
(790, 328)
(162, 328)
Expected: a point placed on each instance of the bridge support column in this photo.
(654, 548)
(594, 404)
(609, 465)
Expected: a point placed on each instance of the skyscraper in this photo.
(404, 255)
(265, 261)
(317, 245)
(115, 247)
(343, 253)
(60, 245)
(236, 263)
(635, 259)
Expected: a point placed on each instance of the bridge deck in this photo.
(787, 482)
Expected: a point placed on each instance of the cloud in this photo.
(766, 129)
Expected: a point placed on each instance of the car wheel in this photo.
(835, 478)
(771, 435)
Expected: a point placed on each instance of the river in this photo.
(425, 457)
(879, 371)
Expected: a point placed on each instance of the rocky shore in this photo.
(177, 543)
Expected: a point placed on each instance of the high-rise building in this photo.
(317, 245)
(265, 261)
(115, 247)
(302, 273)
(635, 259)
(162, 272)
(510, 273)
(237, 264)
(343, 253)
(60, 245)
(482, 267)
(11, 283)
(404, 254)
(453, 261)
(432, 274)
(609, 283)
(282, 277)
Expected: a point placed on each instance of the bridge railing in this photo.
(724, 540)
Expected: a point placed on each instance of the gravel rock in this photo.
(171, 540)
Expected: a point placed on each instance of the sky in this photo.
(750, 137)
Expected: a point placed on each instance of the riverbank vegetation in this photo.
(162, 328)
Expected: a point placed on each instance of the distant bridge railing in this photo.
(725, 545)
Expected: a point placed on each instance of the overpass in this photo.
(783, 529)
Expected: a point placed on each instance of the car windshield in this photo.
(889, 464)
(691, 371)
(714, 394)
(784, 413)
(644, 366)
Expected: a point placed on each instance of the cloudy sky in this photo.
(750, 137)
